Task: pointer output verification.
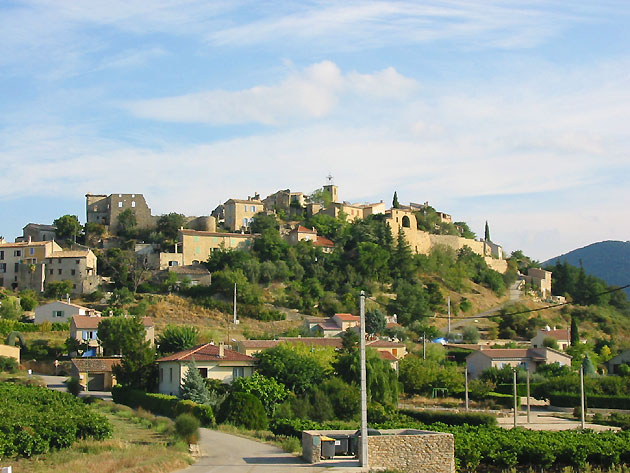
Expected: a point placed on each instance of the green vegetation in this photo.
(35, 420)
(243, 409)
(176, 338)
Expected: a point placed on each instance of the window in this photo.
(161, 374)
(58, 260)
(77, 261)
(245, 222)
(405, 222)
(57, 313)
(238, 372)
(59, 271)
(16, 267)
(245, 207)
(52, 271)
(203, 372)
(253, 208)
(31, 251)
(17, 253)
(2, 254)
(170, 374)
(119, 205)
(3, 267)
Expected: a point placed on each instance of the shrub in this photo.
(8, 365)
(450, 418)
(73, 386)
(187, 427)
(243, 409)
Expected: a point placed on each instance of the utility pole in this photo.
(424, 345)
(515, 403)
(364, 431)
(466, 380)
(449, 316)
(235, 320)
(528, 405)
(583, 403)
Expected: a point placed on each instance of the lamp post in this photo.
(364, 430)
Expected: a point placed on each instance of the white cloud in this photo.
(311, 93)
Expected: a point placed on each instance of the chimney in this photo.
(29, 239)
(221, 350)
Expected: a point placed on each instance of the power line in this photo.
(552, 306)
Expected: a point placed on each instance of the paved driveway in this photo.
(56, 383)
(227, 453)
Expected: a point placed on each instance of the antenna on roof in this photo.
(329, 179)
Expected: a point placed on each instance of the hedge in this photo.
(162, 404)
(521, 389)
(450, 418)
(505, 400)
(592, 400)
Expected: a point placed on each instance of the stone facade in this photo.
(197, 246)
(239, 213)
(105, 209)
(419, 452)
(426, 452)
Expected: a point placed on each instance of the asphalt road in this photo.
(227, 453)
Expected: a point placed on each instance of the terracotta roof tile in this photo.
(384, 344)
(385, 355)
(95, 364)
(301, 229)
(207, 352)
(323, 241)
(347, 317)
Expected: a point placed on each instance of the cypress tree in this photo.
(395, 203)
(487, 232)
(575, 333)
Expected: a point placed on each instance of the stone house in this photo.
(38, 232)
(196, 274)
(197, 246)
(76, 266)
(22, 264)
(61, 311)
(527, 358)
(239, 213)
(332, 326)
(539, 279)
(94, 373)
(213, 361)
(562, 336)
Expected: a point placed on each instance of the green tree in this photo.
(58, 289)
(267, 389)
(11, 308)
(121, 297)
(177, 338)
(470, 334)
(487, 232)
(402, 262)
(298, 373)
(263, 221)
(137, 369)
(28, 299)
(420, 376)
(411, 302)
(588, 366)
(395, 203)
(350, 340)
(193, 387)
(120, 335)
(575, 332)
(320, 196)
(124, 267)
(550, 342)
(68, 226)
(375, 322)
(127, 223)
(465, 231)
(169, 225)
(243, 409)
(93, 232)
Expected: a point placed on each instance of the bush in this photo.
(244, 410)
(592, 400)
(73, 386)
(187, 427)
(450, 418)
(8, 365)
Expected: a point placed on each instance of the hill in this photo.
(608, 260)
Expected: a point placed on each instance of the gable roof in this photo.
(95, 364)
(25, 244)
(66, 304)
(86, 322)
(323, 241)
(347, 317)
(70, 254)
(207, 352)
(385, 355)
(558, 334)
(301, 229)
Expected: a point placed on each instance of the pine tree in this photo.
(402, 263)
(194, 388)
(487, 232)
(395, 203)
(589, 368)
(575, 333)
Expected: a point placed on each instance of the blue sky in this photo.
(506, 111)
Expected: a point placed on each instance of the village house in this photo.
(540, 280)
(527, 358)
(105, 210)
(95, 374)
(196, 246)
(561, 336)
(21, 264)
(212, 361)
(76, 266)
(332, 326)
(38, 232)
(85, 329)
(61, 311)
(300, 233)
(239, 213)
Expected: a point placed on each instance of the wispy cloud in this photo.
(311, 93)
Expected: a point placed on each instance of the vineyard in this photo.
(35, 420)
(489, 448)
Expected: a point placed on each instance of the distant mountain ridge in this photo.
(609, 260)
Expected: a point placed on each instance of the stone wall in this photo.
(428, 452)
(311, 447)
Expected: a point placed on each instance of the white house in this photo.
(60, 311)
(213, 361)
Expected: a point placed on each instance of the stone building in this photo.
(21, 264)
(239, 213)
(196, 246)
(540, 279)
(105, 210)
(38, 232)
(76, 266)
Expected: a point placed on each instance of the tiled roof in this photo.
(41, 226)
(505, 352)
(385, 344)
(67, 303)
(23, 244)
(262, 344)
(84, 321)
(301, 229)
(190, 269)
(322, 241)
(69, 254)
(329, 326)
(560, 334)
(243, 201)
(95, 364)
(207, 352)
(385, 355)
(334, 342)
(216, 234)
(347, 317)
(465, 346)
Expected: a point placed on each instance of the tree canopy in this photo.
(68, 226)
